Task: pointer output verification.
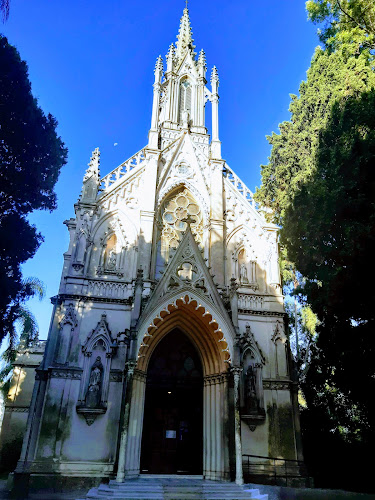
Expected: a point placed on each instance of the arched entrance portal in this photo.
(172, 438)
(211, 336)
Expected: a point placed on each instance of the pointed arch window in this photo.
(185, 98)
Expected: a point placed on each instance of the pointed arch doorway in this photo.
(172, 437)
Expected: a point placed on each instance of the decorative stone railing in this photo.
(239, 185)
(122, 170)
(250, 301)
(108, 289)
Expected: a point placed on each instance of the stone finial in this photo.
(158, 67)
(202, 59)
(93, 166)
(214, 76)
(171, 52)
(185, 36)
(171, 55)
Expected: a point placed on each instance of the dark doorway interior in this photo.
(172, 438)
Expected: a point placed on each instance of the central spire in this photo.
(185, 36)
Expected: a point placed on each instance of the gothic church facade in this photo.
(167, 350)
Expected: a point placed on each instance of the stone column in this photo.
(130, 365)
(236, 370)
(206, 429)
(133, 452)
(214, 440)
(225, 413)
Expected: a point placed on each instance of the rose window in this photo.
(175, 211)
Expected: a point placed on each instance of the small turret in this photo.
(91, 179)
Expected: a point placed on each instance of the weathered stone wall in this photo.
(17, 404)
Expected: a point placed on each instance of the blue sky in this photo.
(91, 65)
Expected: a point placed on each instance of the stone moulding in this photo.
(16, 409)
(261, 313)
(71, 373)
(278, 385)
(58, 299)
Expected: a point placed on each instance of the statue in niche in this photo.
(243, 273)
(251, 398)
(111, 262)
(94, 389)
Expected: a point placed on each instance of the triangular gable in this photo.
(184, 152)
(187, 66)
(186, 270)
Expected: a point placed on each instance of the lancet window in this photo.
(185, 98)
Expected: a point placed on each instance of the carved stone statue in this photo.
(251, 399)
(94, 389)
(243, 273)
(111, 262)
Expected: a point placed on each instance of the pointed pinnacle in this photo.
(202, 59)
(93, 166)
(171, 52)
(214, 75)
(159, 65)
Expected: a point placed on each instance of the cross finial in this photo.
(189, 220)
(186, 3)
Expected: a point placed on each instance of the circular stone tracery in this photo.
(174, 211)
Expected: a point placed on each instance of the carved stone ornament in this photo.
(247, 340)
(90, 414)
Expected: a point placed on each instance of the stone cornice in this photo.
(58, 299)
(74, 373)
(277, 384)
(262, 313)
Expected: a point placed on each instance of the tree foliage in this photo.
(341, 17)
(331, 76)
(22, 333)
(320, 186)
(31, 156)
(329, 231)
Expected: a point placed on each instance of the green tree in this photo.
(340, 17)
(329, 232)
(331, 76)
(24, 323)
(320, 186)
(31, 156)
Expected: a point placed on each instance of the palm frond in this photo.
(34, 287)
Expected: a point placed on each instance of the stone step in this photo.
(173, 489)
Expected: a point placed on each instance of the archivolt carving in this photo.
(197, 313)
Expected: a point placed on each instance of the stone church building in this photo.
(167, 351)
